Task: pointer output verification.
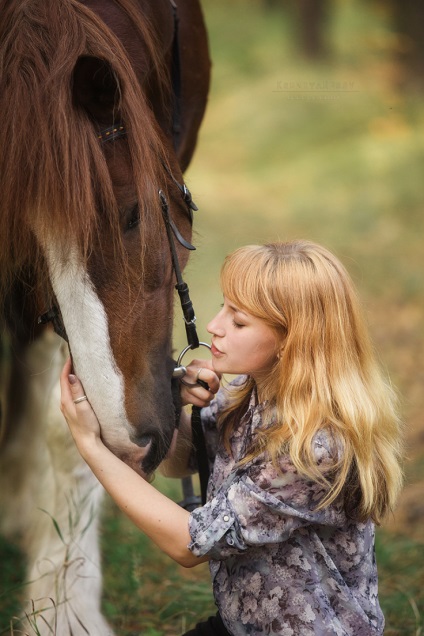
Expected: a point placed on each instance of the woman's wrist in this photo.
(89, 445)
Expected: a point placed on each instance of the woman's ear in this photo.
(281, 347)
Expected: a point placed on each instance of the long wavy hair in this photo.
(326, 374)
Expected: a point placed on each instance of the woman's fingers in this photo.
(66, 403)
(199, 370)
(77, 390)
(202, 370)
(77, 410)
(203, 374)
(72, 391)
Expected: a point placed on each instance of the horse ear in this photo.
(95, 88)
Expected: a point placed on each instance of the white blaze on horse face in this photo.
(86, 325)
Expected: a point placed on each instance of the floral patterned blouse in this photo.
(278, 565)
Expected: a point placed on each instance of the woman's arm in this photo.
(161, 519)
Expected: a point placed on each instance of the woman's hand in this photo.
(163, 520)
(81, 419)
(198, 395)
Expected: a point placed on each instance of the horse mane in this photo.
(53, 172)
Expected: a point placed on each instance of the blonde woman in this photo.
(305, 445)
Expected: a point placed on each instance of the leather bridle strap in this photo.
(181, 287)
(199, 444)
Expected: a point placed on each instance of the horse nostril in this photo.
(143, 441)
(151, 460)
(156, 444)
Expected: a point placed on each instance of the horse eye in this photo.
(133, 218)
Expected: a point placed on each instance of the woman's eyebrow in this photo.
(237, 310)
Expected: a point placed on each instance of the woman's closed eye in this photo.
(237, 325)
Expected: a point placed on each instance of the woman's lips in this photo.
(216, 352)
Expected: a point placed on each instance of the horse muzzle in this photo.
(155, 445)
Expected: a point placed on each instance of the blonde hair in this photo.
(326, 374)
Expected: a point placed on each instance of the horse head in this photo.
(88, 158)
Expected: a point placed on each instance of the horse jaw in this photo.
(86, 326)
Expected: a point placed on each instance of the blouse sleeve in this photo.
(261, 504)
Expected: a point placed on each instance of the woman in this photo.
(305, 445)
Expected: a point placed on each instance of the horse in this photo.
(101, 104)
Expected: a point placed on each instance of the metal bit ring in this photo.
(180, 370)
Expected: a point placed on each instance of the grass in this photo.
(342, 167)
(401, 584)
(12, 575)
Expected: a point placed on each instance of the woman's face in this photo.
(242, 343)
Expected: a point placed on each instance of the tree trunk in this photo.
(408, 18)
(311, 16)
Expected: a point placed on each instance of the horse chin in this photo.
(157, 450)
(157, 443)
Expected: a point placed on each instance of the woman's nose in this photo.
(214, 327)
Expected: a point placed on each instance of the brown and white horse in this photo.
(101, 102)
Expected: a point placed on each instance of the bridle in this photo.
(54, 315)
(117, 131)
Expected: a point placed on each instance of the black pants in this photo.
(212, 627)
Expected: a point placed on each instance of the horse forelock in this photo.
(54, 176)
